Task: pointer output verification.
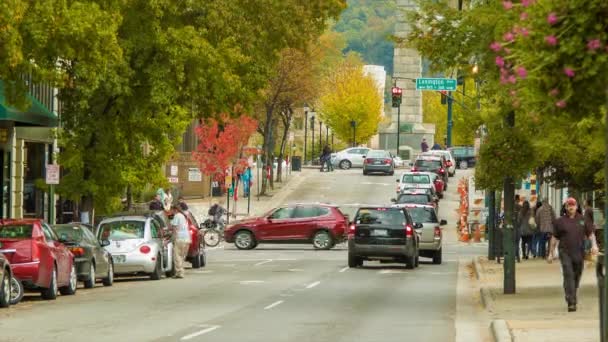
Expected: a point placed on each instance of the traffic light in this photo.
(444, 97)
(396, 92)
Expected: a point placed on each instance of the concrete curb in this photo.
(486, 298)
(500, 331)
(477, 268)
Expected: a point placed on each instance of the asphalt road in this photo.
(272, 293)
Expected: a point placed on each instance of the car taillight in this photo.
(144, 249)
(351, 230)
(437, 232)
(441, 170)
(414, 169)
(409, 231)
(77, 251)
(35, 251)
(387, 161)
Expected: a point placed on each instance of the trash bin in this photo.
(601, 274)
(296, 163)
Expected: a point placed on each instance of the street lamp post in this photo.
(326, 135)
(353, 124)
(320, 136)
(305, 129)
(312, 143)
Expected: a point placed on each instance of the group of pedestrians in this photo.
(569, 237)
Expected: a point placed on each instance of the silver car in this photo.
(430, 234)
(350, 157)
(139, 244)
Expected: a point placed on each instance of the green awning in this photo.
(36, 115)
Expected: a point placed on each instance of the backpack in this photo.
(213, 210)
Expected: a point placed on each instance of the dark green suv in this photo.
(464, 156)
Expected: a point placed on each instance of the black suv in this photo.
(464, 156)
(385, 234)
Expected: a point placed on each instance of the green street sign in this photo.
(448, 84)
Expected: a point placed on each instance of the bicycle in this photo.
(214, 232)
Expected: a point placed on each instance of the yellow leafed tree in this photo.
(349, 95)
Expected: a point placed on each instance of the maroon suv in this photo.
(320, 224)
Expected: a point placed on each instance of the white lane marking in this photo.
(247, 282)
(392, 271)
(278, 302)
(263, 262)
(344, 269)
(370, 183)
(295, 270)
(202, 271)
(250, 260)
(200, 332)
(310, 286)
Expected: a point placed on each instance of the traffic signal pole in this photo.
(450, 123)
(396, 103)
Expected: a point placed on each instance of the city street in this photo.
(272, 293)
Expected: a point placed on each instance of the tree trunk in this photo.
(129, 203)
(286, 126)
(267, 147)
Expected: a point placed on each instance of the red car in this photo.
(38, 258)
(196, 253)
(320, 224)
(439, 184)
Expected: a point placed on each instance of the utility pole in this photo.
(449, 138)
(305, 130)
(396, 97)
(312, 143)
(491, 224)
(508, 241)
(320, 137)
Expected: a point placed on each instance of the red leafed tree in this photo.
(221, 144)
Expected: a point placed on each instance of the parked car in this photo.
(414, 180)
(451, 162)
(93, 262)
(40, 261)
(350, 157)
(196, 252)
(383, 233)
(430, 234)
(5, 281)
(322, 225)
(399, 162)
(139, 244)
(434, 164)
(378, 161)
(464, 156)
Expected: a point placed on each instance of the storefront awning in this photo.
(36, 115)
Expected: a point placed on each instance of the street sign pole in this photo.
(509, 228)
(491, 225)
(450, 123)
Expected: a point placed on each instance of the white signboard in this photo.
(173, 179)
(194, 175)
(52, 174)
(173, 170)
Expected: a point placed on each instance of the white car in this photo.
(400, 162)
(350, 157)
(414, 180)
(448, 156)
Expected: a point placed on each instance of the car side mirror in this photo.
(363, 157)
(394, 200)
(443, 222)
(397, 180)
(104, 243)
(418, 225)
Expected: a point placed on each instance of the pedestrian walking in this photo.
(526, 221)
(570, 233)
(516, 226)
(436, 146)
(545, 215)
(246, 177)
(156, 203)
(181, 240)
(424, 146)
(536, 237)
(326, 159)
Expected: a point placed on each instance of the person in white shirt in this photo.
(181, 240)
(168, 200)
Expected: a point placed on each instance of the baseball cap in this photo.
(571, 201)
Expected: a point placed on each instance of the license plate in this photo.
(119, 258)
(379, 232)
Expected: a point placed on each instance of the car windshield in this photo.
(68, 232)
(422, 214)
(413, 198)
(16, 231)
(415, 179)
(431, 164)
(377, 154)
(380, 216)
(122, 230)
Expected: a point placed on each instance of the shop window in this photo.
(33, 169)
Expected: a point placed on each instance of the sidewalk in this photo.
(537, 312)
(258, 206)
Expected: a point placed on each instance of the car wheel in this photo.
(157, 274)
(203, 259)
(392, 173)
(109, 279)
(417, 260)
(196, 260)
(437, 256)
(464, 165)
(50, 293)
(410, 262)
(90, 282)
(354, 261)
(322, 240)
(345, 164)
(70, 289)
(244, 240)
(17, 291)
(5, 290)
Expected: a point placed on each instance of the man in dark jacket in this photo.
(424, 146)
(156, 203)
(571, 231)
